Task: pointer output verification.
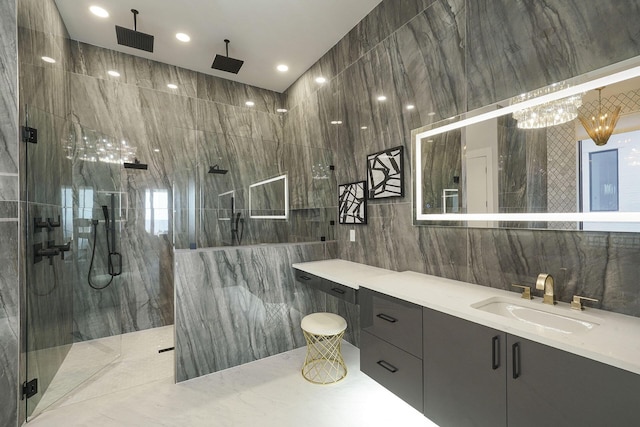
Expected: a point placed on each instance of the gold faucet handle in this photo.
(526, 291)
(576, 303)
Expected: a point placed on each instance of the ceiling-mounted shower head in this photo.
(216, 169)
(134, 38)
(226, 63)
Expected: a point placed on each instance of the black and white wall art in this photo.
(385, 176)
(352, 203)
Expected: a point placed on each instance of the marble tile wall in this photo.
(446, 57)
(9, 245)
(237, 305)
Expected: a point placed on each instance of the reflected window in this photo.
(156, 217)
(603, 181)
(85, 211)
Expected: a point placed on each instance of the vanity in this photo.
(468, 355)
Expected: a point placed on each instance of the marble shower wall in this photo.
(446, 57)
(9, 190)
(237, 305)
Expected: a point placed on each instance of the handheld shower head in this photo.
(105, 212)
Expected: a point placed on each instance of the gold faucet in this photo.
(545, 282)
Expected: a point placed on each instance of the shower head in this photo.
(134, 38)
(216, 169)
(135, 165)
(226, 63)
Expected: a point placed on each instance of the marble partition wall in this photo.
(237, 305)
(448, 57)
(9, 245)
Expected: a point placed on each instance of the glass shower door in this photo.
(72, 330)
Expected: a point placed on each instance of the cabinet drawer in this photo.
(309, 279)
(397, 370)
(340, 291)
(395, 321)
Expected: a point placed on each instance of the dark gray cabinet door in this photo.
(550, 387)
(464, 372)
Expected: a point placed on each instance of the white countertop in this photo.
(340, 271)
(614, 341)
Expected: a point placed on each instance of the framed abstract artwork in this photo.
(385, 176)
(352, 203)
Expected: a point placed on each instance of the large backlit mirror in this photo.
(566, 156)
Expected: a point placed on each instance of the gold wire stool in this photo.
(323, 363)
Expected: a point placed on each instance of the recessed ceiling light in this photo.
(320, 80)
(183, 37)
(48, 59)
(157, 150)
(282, 68)
(113, 73)
(249, 103)
(172, 86)
(98, 11)
(336, 122)
(432, 113)
(410, 107)
(281, 110)
(382, 98)
(363, 127)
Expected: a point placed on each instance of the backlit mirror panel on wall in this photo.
(269, 199)
(566, 156)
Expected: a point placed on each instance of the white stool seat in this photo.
(324, 363)
(323, 324)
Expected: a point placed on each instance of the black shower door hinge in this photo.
(29, 135)
(30, 388)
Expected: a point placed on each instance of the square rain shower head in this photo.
(226, 63)
(134, 39)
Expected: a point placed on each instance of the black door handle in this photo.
(387, 318)
(515, 355)
(338, 291)
(495, 352)
(388, 366)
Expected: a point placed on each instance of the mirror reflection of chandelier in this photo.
(550, 113)
(600, 127)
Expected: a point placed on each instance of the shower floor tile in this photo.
(268, 392)
(125, 361)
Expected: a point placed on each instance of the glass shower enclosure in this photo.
(73, 217)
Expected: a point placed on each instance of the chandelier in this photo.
(550, 113)
(601, 127)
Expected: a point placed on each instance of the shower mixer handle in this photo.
(62, 248)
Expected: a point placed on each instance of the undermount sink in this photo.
(542, 317)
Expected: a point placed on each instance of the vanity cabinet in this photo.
(338, 290)
(478, 376)
(551, 387)
(391, 344)
(465, 367)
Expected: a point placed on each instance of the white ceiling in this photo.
(263, 33)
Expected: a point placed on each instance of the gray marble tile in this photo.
(38, 15)
(516, 46)
(239, 121)
(222, 91)
(9, 210)
(95, 62)
(239, 304)
(8, 89)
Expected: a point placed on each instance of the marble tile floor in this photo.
(106, 365)
(265, 393)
